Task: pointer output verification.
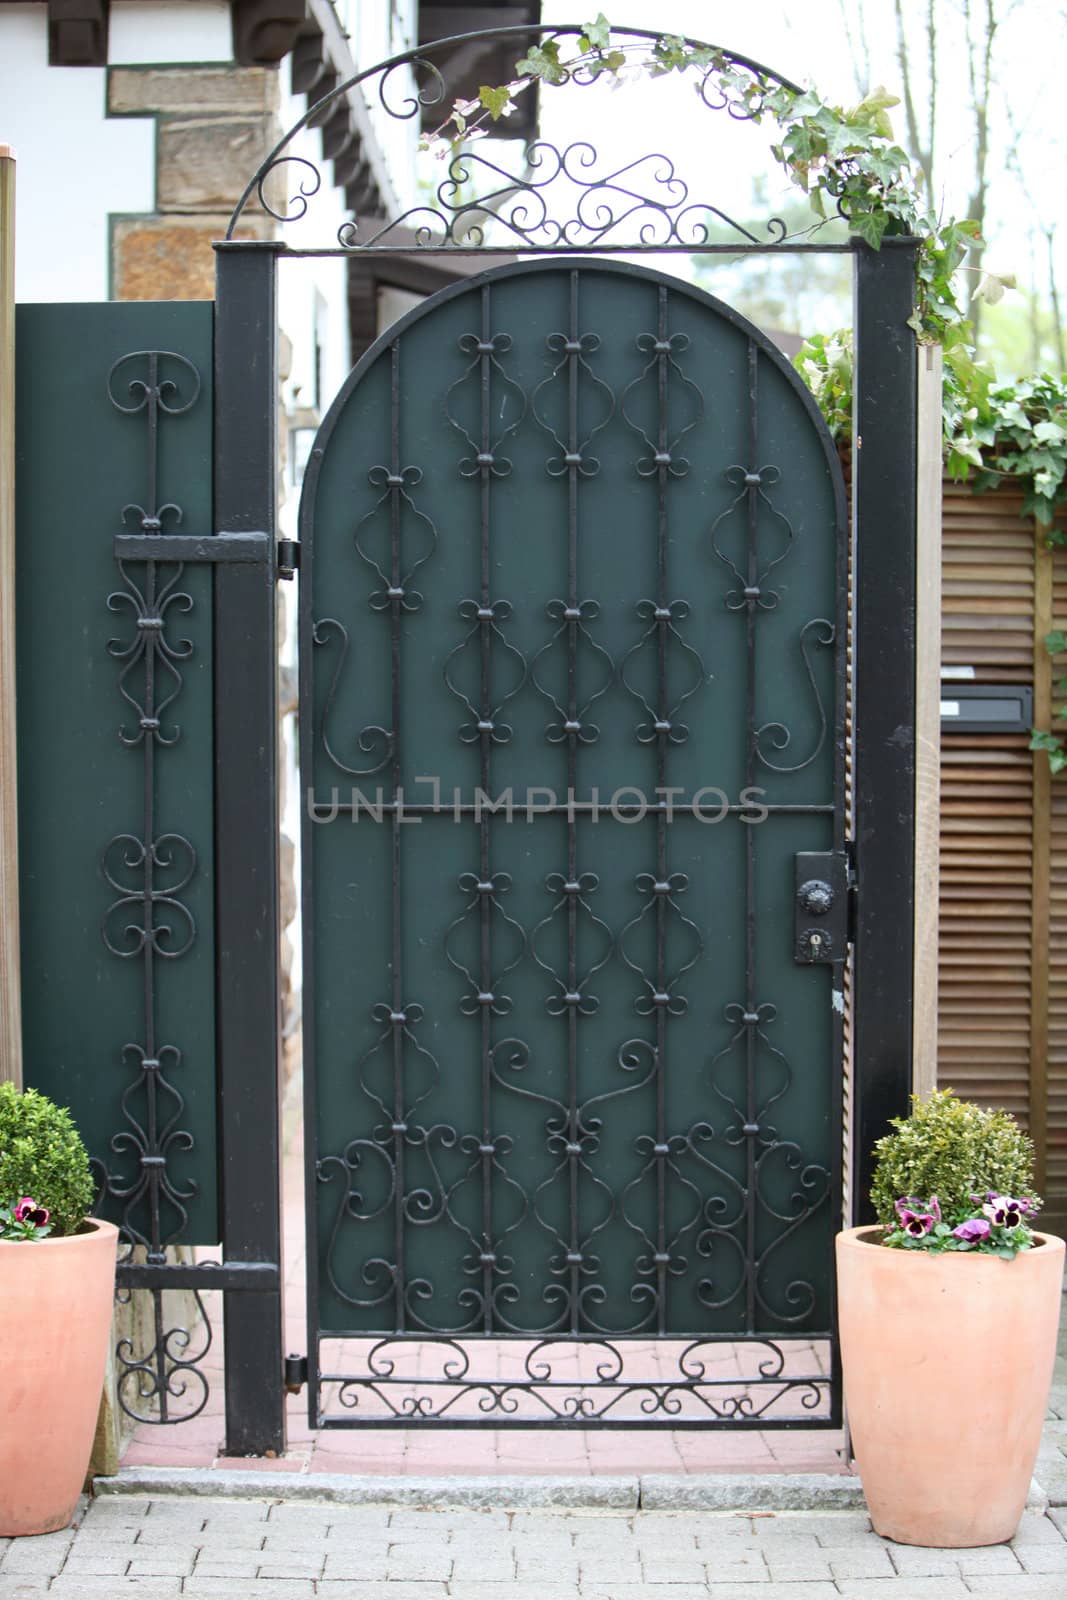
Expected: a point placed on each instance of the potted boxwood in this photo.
(948, 1312)
(57, 1283)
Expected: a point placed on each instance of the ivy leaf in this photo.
(1056, 641)
(869, 226)
(496, 101)
(596, 35)
(542, 61)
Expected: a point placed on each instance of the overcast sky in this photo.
(807, 42)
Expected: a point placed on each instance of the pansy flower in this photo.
(1005, 1212)
(917, 1217)
(27, 1210)
(973, 1230)
(915, 1223)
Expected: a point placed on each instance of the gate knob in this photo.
(816, 897)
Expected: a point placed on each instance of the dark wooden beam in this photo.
(77, 33)
(264, 31)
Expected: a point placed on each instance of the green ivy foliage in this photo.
(42, 1155)
(953, 1149)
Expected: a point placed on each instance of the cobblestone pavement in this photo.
(266, 1550)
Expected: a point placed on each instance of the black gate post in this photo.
(246, 839)
(884, 519)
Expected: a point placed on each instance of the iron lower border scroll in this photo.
(719, 1382)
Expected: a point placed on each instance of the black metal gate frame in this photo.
(247, 566)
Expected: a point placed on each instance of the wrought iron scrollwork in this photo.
(148, 919)
(589, 1381)
(561, 199)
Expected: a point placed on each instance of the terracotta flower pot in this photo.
(55, 1314)
(947, 1365)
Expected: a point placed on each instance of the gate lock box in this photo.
(821, 907)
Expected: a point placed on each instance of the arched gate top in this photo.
(678, 287)
(569, 199)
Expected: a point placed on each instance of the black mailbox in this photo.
(987, 707)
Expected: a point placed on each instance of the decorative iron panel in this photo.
(572, 644)
(115, 774)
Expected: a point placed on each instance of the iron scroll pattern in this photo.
(148, 921)
(560, 199)
(410, 1172)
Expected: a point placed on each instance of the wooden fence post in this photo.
(10, 999)
(927, 718)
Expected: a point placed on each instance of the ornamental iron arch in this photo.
(641, 208)
(646, 193)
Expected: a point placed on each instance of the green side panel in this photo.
(91, 1014)
(622, 1194)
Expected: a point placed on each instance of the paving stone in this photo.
(913, 1561)
(106, 1562)
(1017, 1586)
(496, 1591)
(157, 1565)
(653, 1591)
(772, 1591)
(81, 1584)
(302, 1518)
(733, 1565)
(546, 1569)
(859, 1563)
(26, 1557)
(1036, 1529)
(803, 1567)
(419, 1569)
(469, 1569)
(290, 1541)
(345, 1590)
(905, 1589)
(22, 1588)
(661, 1568)
(1043, 1558)
(126, 1507)
(241, 1549)
(355, 1565)
(294, 1566)
(239, 1589)
(214, 1566)
(987, 1558)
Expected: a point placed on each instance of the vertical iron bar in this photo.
(396, 482)
(884, 529)
(485, 742)
(662, 735)
(574, 1131)
(246, 839)
(751, 998)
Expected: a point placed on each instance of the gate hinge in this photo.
(296, 1373)
(821, 907)
(288, 557)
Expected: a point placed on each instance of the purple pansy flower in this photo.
(974, 1229)
(917, 1223)
(1004, 1211)
(917, 1217)
(27, 1210)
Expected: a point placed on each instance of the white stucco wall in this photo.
(75, 166)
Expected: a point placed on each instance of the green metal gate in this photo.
(574, 574)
